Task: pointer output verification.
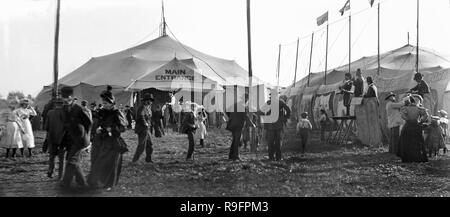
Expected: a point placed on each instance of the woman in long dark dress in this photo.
(108, 146)
(412, 143)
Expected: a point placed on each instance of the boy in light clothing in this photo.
(303, 128)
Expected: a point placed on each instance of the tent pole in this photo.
(249, 44)
(379, 67)
(55, 57)
(417, 46)
(310, 57)
(278, 66)
(250, 72)
(326, 56)
(349, 42)
(296, 62)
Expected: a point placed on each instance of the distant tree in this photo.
(14, 94)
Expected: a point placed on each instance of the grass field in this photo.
(325, 170)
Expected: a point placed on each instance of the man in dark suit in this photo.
(274, 129)
(78, 126)
(54, 125)
(142, 129)
(236, 121)
(372, 91)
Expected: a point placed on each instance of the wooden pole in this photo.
(379, 67)
(349, 42)
(55, 54)
(296, 62)
(249, 43)
(278, 66)
(326, 57)
(310, 57)
(417, 46)
(250, 73)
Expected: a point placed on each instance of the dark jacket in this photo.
(78, 124)
(236, 121)
(359, 87)
(188, 123)
(54, 125)
(143, 119)
(421, 88)
(283, 115)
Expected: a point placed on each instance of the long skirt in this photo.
(412, 145)
(106, 162)
(27, 137)
(12, 137)
(201, 133)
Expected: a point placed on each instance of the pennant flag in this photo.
(322, 19)
(371, 2)
(345, 8)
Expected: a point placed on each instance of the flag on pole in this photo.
(345, 8)
(322, 19)
(371, 2)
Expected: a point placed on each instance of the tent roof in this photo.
(123, 67)
(393, 63)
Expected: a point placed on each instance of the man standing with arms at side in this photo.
(395, 120)
(275, 129)
(54, 125)
(142, 129)
(235, 123)
(78, 126)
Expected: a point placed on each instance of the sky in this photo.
(92, 28)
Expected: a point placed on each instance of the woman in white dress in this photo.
(24, 112)
(200, 122)
(11, 138)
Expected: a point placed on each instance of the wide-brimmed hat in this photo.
(148, 97)
(389, 95)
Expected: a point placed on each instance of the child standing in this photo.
(303, 128)
(200, 123)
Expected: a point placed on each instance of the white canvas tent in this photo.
(129, 68)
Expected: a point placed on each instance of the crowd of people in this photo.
(414, 133)
(74, 128)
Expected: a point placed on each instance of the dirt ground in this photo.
(325, 170)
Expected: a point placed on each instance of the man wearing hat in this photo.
(395, 121)
(142, 127)
(274, 130)
(422, 87)
(77, 126)
(54, 125)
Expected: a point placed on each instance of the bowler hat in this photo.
(390, 94)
